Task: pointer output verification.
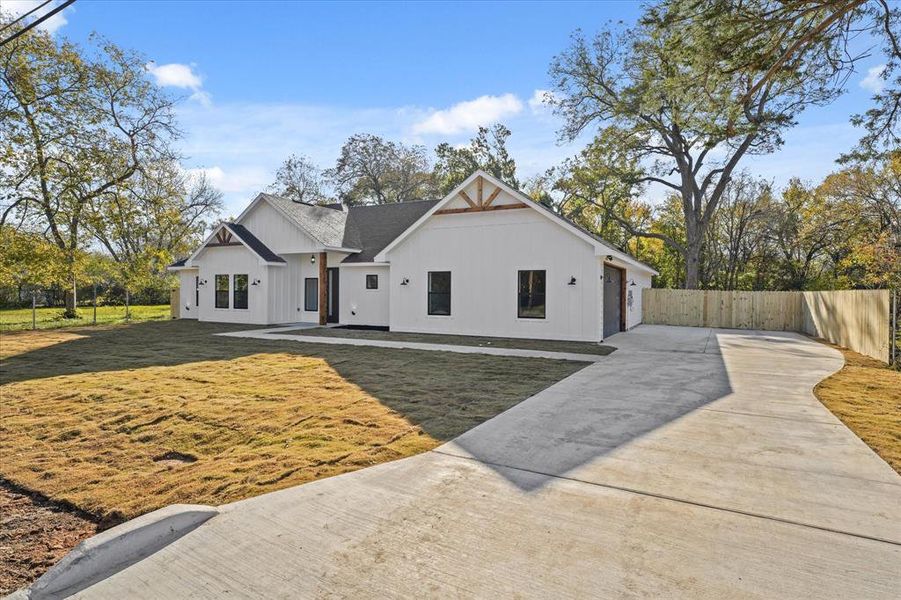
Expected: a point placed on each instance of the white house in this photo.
(484, 260)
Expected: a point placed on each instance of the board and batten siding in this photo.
(187, 301)
(855, 319)
(275, 230)
(232, 260)
(484, 252)
(359, 306)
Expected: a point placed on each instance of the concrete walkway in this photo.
(691, 463)
(279, 333)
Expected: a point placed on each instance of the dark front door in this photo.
(332, 296)
(613, 300)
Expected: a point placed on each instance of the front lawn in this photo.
(121, 420)
(52, 318)
(866, 395)
(459, 340)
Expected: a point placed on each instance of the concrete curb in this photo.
(108, 552)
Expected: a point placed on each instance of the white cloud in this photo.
(469, 115)
(180, 76)
(541, 101)
(874, 81)
(17, 8)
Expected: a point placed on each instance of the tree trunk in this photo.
(692, 266)
(71, 299)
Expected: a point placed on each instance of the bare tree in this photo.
(300, 180)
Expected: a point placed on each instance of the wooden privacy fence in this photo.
(855, 319)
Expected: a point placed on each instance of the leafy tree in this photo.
(146, 222)
(371, 170)
(771, 37)
(75, 124)
(805, 228)
(486, 151)
(737, 234)
(300, 180)
(682, 118)
(870, 195)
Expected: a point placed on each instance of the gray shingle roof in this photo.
(372, 227)
(179, 263)
(255, 244)
(325, 225)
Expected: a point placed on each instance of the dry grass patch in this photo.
(123, 420)
(866, 395)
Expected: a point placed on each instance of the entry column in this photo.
(323, 287)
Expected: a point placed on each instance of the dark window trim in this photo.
(306, 304)
(236, 291)
(226, 291)
(196, 291)
(431, 293)
(520, 293)
(372, 287)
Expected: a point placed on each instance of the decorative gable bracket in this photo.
(480, 204)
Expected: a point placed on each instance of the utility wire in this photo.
(36, 22)
(14, 21)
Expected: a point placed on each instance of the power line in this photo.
(14, 21)
(36, 22)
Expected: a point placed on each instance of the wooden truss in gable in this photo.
(481, 203)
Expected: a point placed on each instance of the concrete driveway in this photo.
(690, 463)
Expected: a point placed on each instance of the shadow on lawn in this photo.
(598, 410)
(422, 386)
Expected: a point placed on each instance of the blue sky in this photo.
(261, 80)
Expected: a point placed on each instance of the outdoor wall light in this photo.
(255, 282)
(405, 281)
(631, 283)
(201, 282)
(610, 257)
(572, 280)
(312, 259)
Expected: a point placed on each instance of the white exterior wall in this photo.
(232, 260)
(359, 306)
(187, 307)
(275, 230)
(484, 251)
(642, 280)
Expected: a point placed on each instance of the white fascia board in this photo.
(262, 198)
(189, 264)
(381, 256)
(600, 248)
(338, 249)
(181, 268)
(365, 264)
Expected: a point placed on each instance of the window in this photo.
(221, 291)
(197, 290)
(372, 282)
(531, 294)
(239, 298)
(439, 293)
(311, 294)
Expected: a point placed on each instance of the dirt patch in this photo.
(35, 533)
(866, 395)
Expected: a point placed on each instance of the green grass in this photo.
(120, 420)
(52, 318)
(460, 340)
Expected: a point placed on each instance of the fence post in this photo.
(893, 355)
(127, 313)
(95, 304)
(34, 320)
